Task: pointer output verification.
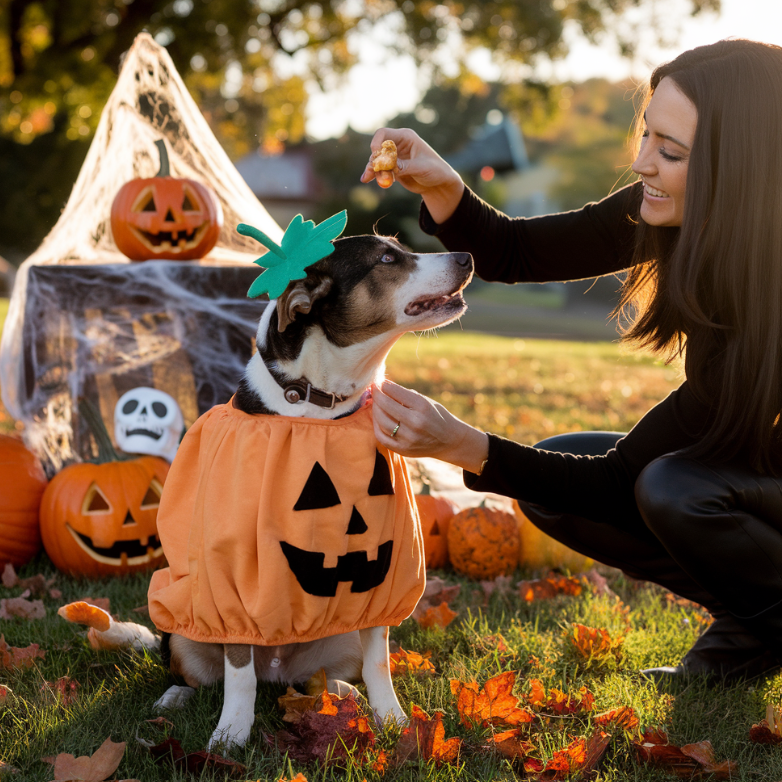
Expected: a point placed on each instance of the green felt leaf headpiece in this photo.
(303, 244)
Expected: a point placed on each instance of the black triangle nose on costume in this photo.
(357, 525)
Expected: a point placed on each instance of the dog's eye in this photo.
(387, 258)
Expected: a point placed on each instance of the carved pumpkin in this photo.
(101, 519)
(483, 543)
(435, 513)
(165, 217)
(537, 550)
(22, 483)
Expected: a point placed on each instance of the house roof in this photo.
(499, 146)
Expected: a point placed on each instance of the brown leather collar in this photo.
(297, 391)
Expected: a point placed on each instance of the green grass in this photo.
(526, 389)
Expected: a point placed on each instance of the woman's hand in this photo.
(420, 170)
(414, 425)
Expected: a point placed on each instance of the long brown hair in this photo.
(712, 289)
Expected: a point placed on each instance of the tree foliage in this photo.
(250, 63)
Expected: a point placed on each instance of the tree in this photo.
(248, 62)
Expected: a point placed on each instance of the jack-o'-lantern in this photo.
(305, 527)
(164, 217)
(22, 483)
(101, 519)
(435, 512)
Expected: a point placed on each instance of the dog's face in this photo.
(371, 286)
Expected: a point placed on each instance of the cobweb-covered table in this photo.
(97, 331)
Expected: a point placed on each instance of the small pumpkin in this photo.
(101, 518)
(435, 512)
(483, 543)
(22, 484)
(165, 217)
(540, 551)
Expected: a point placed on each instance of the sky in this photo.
(370, 98)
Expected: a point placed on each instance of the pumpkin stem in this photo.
(106, 450)
(165, 168)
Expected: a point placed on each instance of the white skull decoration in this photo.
(148, 421)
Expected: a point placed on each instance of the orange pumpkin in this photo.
(435, 514)
(483, 543)
(22, 483)
(165, 217)
(101, 519)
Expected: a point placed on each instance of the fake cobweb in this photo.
(85, 321)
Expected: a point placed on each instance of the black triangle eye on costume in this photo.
(319, 492)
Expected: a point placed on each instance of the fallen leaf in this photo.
(103, 763)
(551, 586)
(557, 701)
(689, 761)
(624, 717)
(196, 763)
(406, 663)
(424, 738)
(294, 704)
(99, 602)
(441, 616)
(502, 585)
(9, 577)
(298, 778)
(335, 731)
(22, 608)
(13, 657)
(437, 590)
(493, 704)
(511, 745)
(5, 694)
(593, 647)
(64, 690)
(769, 730)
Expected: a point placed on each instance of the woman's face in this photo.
(669, 130)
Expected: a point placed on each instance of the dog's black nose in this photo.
(463, 259)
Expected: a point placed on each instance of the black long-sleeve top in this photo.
(589, 242)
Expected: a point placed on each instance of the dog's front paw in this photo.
(174, 697)
(227, 738)
(390, 714)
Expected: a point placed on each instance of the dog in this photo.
(320, 346)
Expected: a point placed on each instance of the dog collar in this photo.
(298, 391)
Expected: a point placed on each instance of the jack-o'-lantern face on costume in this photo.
(100, 519)
(354, 566)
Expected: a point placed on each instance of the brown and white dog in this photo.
(320, 347)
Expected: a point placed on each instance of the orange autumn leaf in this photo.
(298, 778)
(689, 761)
(593, 647)
(294, 704)
(624, 717)
(64, 690)
(103, 763)
(404, 662)
(439, 616)
(424, 738)
(551, 586)
(494, 704)
(13, 657)
(327, 704)
(511, 745)
(768, 730)
(558, 702)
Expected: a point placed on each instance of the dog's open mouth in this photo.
(431, 304)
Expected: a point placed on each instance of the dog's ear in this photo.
(299, 296)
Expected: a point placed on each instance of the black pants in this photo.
(710, 534)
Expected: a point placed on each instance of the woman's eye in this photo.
(387, 258)
(669, 156)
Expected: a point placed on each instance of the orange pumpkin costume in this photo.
(283, 530)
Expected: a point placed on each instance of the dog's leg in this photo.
(377, 675)
(238, 713)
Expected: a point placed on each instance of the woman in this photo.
(691, 497)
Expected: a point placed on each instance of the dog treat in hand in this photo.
(384, 163)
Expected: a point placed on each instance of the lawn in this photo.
(522, 388)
